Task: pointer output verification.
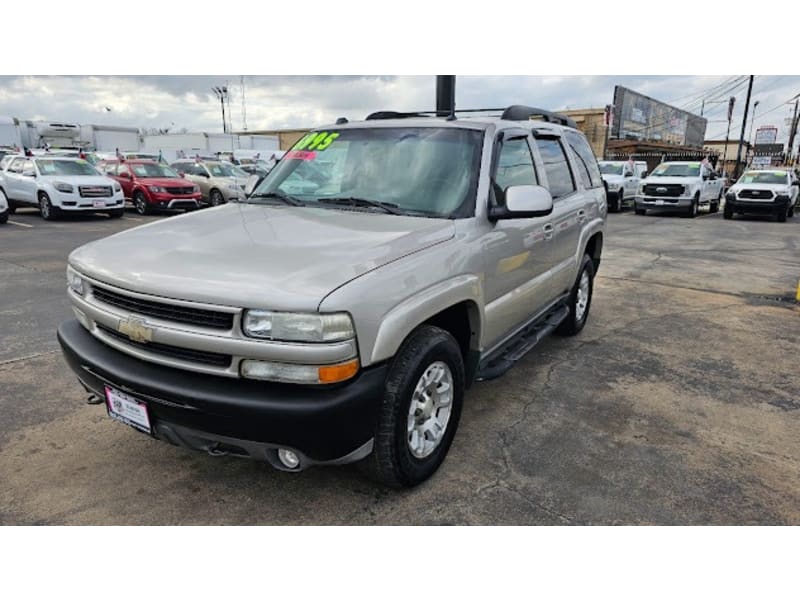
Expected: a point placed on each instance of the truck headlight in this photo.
(75, 281)
(117, 187)
(641, 190)
(63, 187)
(613, 186)
(292, 373)
(298, 327)
(156, 188)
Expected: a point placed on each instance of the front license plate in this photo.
(99, 204)
(128, 410)
(659, 203)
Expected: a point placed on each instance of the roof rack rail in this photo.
(518, 112)
(391, 114)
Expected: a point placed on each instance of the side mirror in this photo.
(524, 202)
(125, 175)
(252, 184)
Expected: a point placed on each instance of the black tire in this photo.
(4, 217)
(46, 208)
(140, 203)
(781, 216)
(12, 208)
(791, 211)
(694, 208)
(727, 212)
(572, 325)
(614, 204)
(392, 462)
(116, 213)
(714, 206)
(215, 197)
(640, 211)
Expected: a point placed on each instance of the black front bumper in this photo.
(764, 208)
(322, 424)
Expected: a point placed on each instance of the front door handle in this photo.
(548, 231)
(581, 216)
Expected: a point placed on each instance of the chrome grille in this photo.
(180, 190)
(95, 191)
(187, 354)
(756, 194)
(665, 189)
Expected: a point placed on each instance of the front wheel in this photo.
(140, 203)
(420, 409)
(781, 216)
(215, 198)
(580, 299)
(640, 211)
(713, 207)
(694, 208)
(614, 204)
(4, 217)
(46, 208)
(727, 212)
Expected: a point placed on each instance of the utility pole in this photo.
(731, 103)
(244, 108)
(222, 94)
(744, 124)
(445, 95)
(752, 122)
(793, 132)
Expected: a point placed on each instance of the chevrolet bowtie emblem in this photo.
(136, 329)
(661, 189)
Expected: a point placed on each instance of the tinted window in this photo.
(514, 165)
(587, 162)
(559, 176)
(16, 166)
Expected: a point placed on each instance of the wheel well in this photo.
(462, 321)
(41, 193)
(594, 247)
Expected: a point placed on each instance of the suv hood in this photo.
(613, 178)
(672, 180)
(165, 181)
(772, 187)
(79, 179)
(282, 258)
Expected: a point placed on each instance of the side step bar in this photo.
(518, 346)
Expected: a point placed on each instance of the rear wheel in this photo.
(46, 208)
(580, 299)
(420, 409)
(140, 203)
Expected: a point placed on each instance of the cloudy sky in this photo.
(187, 102)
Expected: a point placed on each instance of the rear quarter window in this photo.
(588, 170)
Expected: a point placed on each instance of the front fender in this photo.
(411, 312)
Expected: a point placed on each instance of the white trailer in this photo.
(56, 134)
(9, 133)
(108, 138)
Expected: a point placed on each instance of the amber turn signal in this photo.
(340, 372)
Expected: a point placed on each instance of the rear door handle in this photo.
(548, 231)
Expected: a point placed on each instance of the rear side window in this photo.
(588, 170)
(559, 175)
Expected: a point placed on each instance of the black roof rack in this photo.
(516, 112)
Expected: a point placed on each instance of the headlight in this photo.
(298, 327)
(730, 196)
(75, 281)
(641, 189)
(195, 190)
(291, 373)
(156, 188)
(64, 187)
(613, 186)
(117, 187)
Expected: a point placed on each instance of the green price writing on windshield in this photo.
(316, 140)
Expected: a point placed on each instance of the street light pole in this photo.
(752, 122)
(222, 94)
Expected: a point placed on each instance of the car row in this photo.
(771, 191)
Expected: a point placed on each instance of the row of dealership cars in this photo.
(685, 187)
(58, 183)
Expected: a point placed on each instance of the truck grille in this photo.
(666, 189)
(95, 191)
(187, 354)
(162, 310)
(756, 194)
(180, 190)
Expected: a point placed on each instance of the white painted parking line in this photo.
(18, 224)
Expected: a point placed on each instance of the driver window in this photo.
(514, 167)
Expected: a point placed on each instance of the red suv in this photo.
(152, 186)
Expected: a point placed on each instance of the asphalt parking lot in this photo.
(679, 403)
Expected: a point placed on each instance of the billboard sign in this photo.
(640, 117)
(766, 135)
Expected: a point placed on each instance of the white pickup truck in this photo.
(681, 187)
(622, 180)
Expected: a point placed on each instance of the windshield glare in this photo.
(689, 170)
(764, 177)
(65, 167)
(430, 171)
(610, 169)
(225, 170)
(152, 170)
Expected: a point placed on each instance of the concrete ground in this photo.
(678, 404)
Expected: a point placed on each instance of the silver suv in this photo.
(340, 312)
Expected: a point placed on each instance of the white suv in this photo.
(58, 184)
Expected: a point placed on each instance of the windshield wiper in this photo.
(286, 198)
(365, 202)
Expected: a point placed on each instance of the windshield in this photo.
(610, 169)
(152, 170)
(53, 166)
(676, 170)
(778, 177)
(225, 170)
(430, 171)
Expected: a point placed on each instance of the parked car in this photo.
(680, 186)
(346, 322)
(4, 212)
(219, 182)
(772, 192)
(622, 179)
(59, 184)
(153, 186)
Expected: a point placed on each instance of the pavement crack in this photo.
(29, 356)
